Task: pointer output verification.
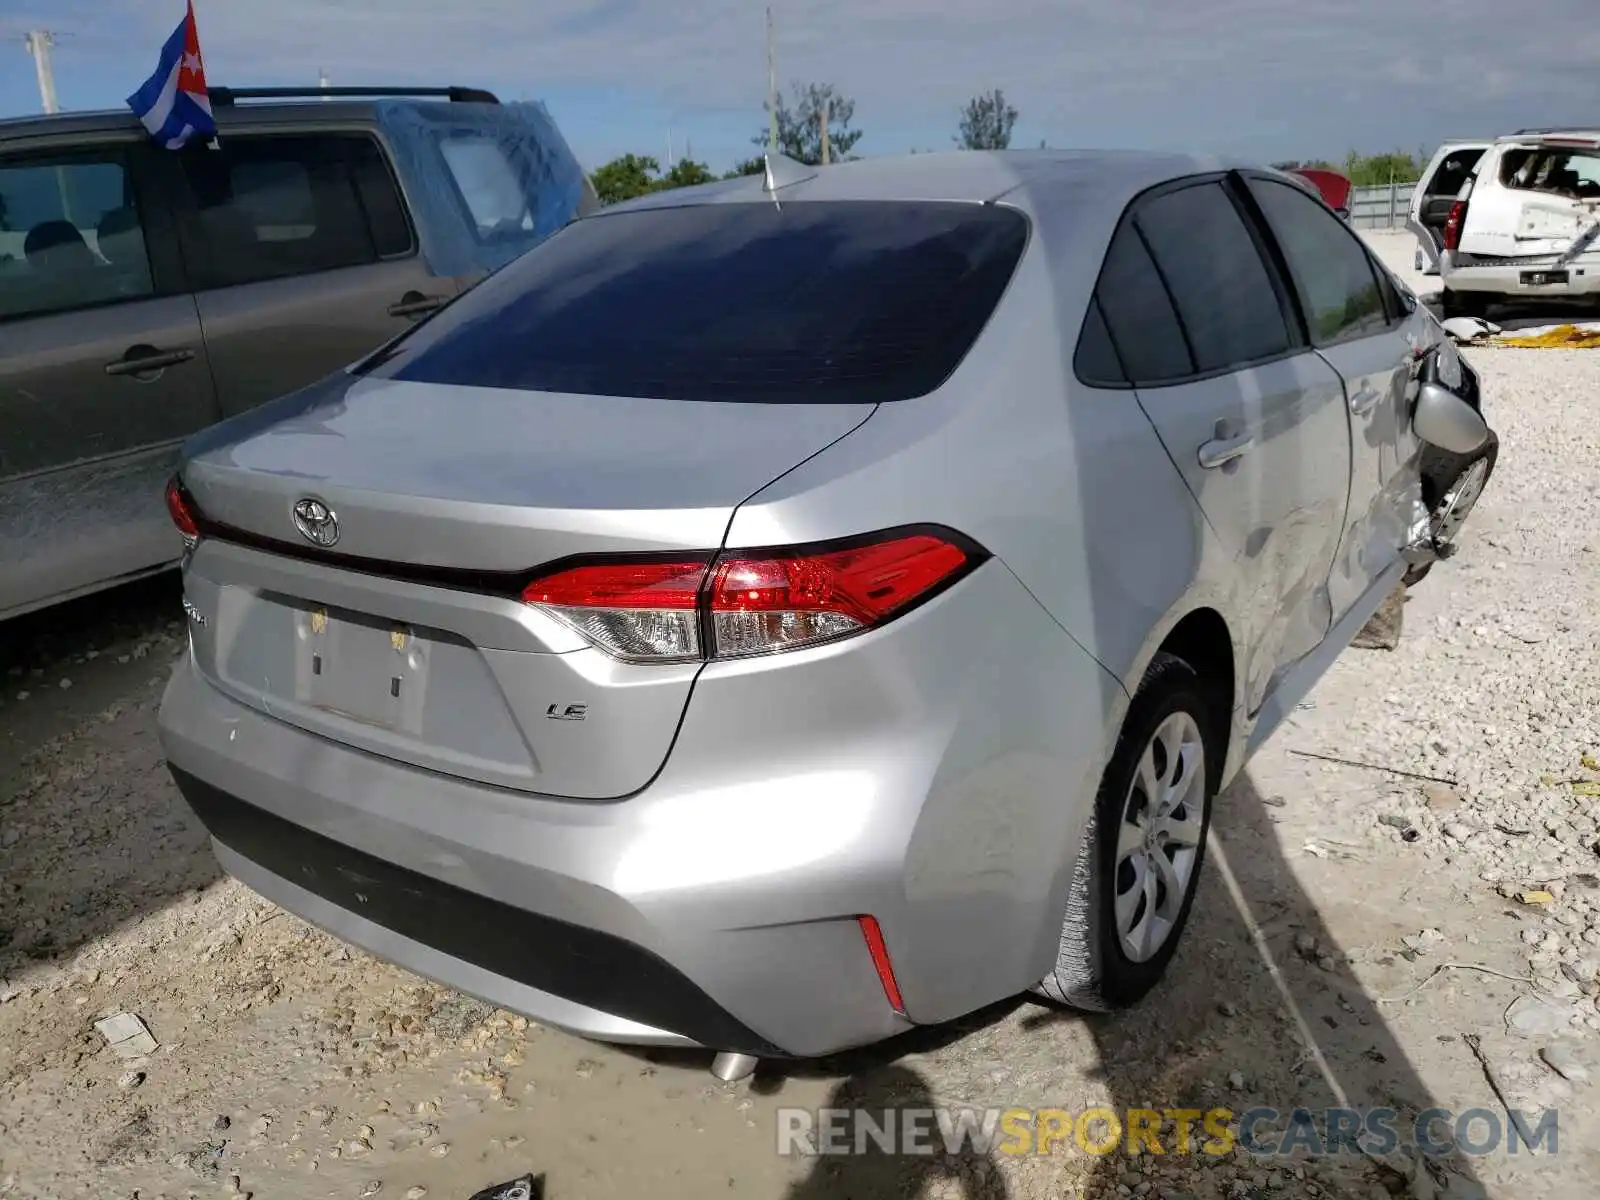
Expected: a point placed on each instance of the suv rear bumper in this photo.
(1505, 279)
(934, 775)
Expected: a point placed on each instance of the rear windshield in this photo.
(841, 302)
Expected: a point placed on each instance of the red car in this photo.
(1333, 187)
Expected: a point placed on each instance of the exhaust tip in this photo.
(730, 1067)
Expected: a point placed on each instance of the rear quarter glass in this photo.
(845, 302)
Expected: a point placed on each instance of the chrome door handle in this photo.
(148, 360)
(1222, 451)
(1365, 401)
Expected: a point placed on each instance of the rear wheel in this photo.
(1465, 304)
(1140, 859)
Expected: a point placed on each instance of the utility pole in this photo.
(670, 159)
(772, 90)
(39, 42)
(823, 117)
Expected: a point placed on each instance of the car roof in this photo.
(1018, 176)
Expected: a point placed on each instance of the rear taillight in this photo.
(745, 603)
(182, 515)
(1452, 225)
(637, 611)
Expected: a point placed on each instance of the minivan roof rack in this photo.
(457, 95)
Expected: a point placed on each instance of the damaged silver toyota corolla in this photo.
(774, 615)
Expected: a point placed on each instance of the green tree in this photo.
(625, 178)
(1370, 170)
(748, 166)
(986, 122)
(800, 125)
(685, 173)
(633, 175)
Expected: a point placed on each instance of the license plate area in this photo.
(360, 667)
(1544, 278)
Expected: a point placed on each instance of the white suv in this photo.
(1525, 223)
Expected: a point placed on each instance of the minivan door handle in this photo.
(415, 304)
(147, 360)
(1219, 452)
(1365, 401)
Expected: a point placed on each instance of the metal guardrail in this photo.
(1382, 207)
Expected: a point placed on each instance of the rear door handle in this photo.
(1221, 451)
(1365, 401)
(415, 304)
(143, 360)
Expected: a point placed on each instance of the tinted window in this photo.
(1138, 313)
(1218, 281)
(1096, 359)
(266, 208)
(70, 235)
(810, 302)
(1453, 172)
(380, 197)
(1332, 273)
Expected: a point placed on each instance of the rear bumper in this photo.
(1505, 279)
(935, 775)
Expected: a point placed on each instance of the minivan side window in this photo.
(70, 234)
(1333, 275)
(274, 207)
(1218, 280)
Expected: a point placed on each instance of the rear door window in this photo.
(70, 234)
(1218, 280)
(264, 208)
(1147, 340)
(1333, 274)
(849, 302)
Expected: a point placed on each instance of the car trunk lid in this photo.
(406, 637)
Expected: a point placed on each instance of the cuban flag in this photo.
(173, 103)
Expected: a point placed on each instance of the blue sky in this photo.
(1268, 79)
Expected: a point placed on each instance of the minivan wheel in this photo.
(1135, 877)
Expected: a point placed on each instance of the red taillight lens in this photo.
(636, 611)
(1452, 225)
(764, 604)
(178, 509)
(753, 603)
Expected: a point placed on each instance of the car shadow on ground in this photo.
(92, 834)
(1259, 1011)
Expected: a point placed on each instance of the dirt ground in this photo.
(1313, 972)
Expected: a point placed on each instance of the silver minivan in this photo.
(147, 294)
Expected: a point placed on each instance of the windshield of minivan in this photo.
(848, 301)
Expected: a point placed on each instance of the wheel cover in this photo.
(1459, 500)
(1158, 838)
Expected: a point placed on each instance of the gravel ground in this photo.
(1314, 972)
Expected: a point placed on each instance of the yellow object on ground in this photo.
(1560, 337)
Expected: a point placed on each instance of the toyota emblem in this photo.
(316, 522)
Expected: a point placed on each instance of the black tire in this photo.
(1092, 971)
(1440, 471)
(1464, 304)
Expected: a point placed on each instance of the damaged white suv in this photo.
(1524, 224)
